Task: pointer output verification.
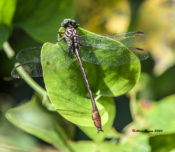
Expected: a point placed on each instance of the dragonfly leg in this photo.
(60, 32)
(61, 38)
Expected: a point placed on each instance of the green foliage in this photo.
(152, 101)
(7, 9)
(157, 87)
(13, 139)
(155, 115)
(163, 84)
(36, 120)
(66, 88)
(140, 144)
(42, 24)
(109, 105)
(66, 92)
(163, 143)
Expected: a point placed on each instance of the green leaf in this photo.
(88, 146)
(7, 9)
(138, 143)
(65, 84)
(36, 120)
(85, 146)
(41, 18)
(109, 105)
(133, 143)
(66, 88)
(13, 139)
(145, 87)
(158, 115)
(156, 87)
(4, 30)
(162, 143)
(163, 85)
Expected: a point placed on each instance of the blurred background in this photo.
(33, 22)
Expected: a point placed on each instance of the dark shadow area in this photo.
(123, 115)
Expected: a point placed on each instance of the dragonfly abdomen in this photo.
(76, 43)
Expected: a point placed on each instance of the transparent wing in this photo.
(102, 50)
(29, 55)
(30, 60)
(129, 39)
(33, 55)
(116, 57)
(33, 69)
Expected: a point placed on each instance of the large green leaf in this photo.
(36, 120)
(65, 84)
(66, 88)
(7, 8)
(40, 18)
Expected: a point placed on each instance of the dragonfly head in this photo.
(69, 22)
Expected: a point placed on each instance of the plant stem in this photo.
(8, 50)
(10, 53)
(24, 75)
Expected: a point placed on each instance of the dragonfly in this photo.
(82, 47)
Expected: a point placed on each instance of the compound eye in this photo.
(65, 21)
(73, 21)
(73, 24)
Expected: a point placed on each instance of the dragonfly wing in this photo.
(129, 39)
(140, 53)
(30, 60)
(118, 56)
(32, 69)
(102, 50)
(99, 42)
(29, 55)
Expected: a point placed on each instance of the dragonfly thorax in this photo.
(72, 38)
